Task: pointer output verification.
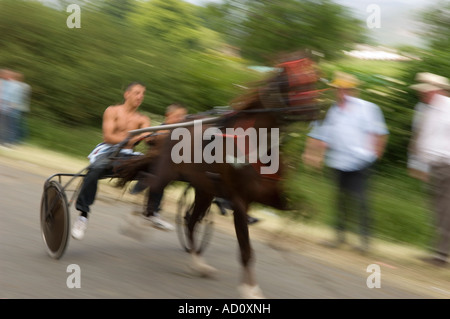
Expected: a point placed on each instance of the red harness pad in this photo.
(302, 76)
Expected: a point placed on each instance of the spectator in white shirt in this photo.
(417, 168)
(353, 136)
(433, 148)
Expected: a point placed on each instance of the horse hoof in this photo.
(203, 269)
(132, 227)
(250, 292)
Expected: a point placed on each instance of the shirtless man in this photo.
(118, 120)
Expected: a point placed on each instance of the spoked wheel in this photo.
(55, 219)
(204, 227)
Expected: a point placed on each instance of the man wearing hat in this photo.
(426, 90)
(351, 138)
(433, 148)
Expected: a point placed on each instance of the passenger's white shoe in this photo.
(79, 228)
(157, 222)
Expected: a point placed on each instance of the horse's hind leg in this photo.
(249, 289)
(201, 204)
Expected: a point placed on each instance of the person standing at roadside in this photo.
(433, 148)
(14, 99)
(23, 107)
(417, 168)
(11, 99)
(3, 79)
(351, 138)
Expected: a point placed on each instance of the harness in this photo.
(293, 87)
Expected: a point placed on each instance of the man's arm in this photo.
(144, 123)
(314, 152)
(378, 130)
(380, 142)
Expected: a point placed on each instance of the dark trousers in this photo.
(153, 202)
(100, 169)
(154, 198)
(352, 201)
(440, 182)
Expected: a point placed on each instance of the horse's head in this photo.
(291, 88)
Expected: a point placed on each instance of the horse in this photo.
(289, 92)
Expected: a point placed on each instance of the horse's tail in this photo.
(129, 169)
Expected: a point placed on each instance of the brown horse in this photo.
(206, 157)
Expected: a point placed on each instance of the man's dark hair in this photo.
(132, 84)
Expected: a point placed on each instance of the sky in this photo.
(398, 23)
(398, 18)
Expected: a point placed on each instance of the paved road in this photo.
(116, 266)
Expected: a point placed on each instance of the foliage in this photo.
(199, 56)
(76, 73)
(262, 29)
(434, 59)
(172, 21)
(436, 30)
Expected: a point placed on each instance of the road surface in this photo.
(111, 265)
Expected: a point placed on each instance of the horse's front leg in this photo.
(249, 288)
(201, 204)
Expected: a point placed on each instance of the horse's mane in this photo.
(251, 98)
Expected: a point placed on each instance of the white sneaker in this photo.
(79, 228)
(157, 222)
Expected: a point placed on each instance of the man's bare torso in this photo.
(118, 121)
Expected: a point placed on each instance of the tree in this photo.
(118, 9)
(399, 100)
(262, 29)
(172, 21)
(76, 73)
